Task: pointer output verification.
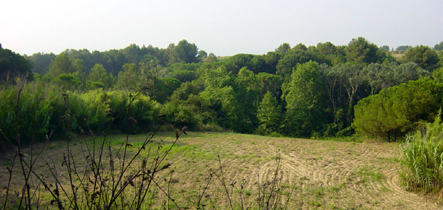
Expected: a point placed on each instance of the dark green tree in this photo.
(294, 57)
(300, 46)
(397, 110)
(40, 62)
(439, 46)
(114, 61)
(202, 54)
(326, 48)
(162, 88)
(283, 48)
(385, 48)
(424, 56)
(183, 52)
(403, 48)
(132, 53)
(362, 51)
(12, 66)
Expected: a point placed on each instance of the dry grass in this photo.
(398, 56)
(226, 170)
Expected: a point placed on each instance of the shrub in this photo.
(422, 165)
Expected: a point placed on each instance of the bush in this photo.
(422, 161)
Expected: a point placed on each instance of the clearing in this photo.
(315, 174)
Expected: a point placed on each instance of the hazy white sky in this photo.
(223, 27)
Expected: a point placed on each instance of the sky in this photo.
(224, 27)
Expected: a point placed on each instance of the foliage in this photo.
(40, 62)
(283, 48)
(99, 75)
(396, 110)
(422, 158)
(305, 97)
(424, 56)
(12, 66)
(361, 51)
(439, 46)
(132, 78)
(248, 97)
(162, 88)
(60, 65)
(183, 52)
(269, 115)
(30, 113)
(297, 56)
(403, 48)
(231, 86)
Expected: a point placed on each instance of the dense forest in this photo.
(301, 91)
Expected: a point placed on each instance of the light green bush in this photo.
(422, 165)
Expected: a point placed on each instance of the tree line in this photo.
(300, 91)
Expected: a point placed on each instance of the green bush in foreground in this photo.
(422, 165)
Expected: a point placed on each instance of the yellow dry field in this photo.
(218, 170)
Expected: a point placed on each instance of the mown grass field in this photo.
(220, 170)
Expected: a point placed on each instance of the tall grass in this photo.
(422, 160)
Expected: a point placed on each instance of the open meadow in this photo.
(227, 170)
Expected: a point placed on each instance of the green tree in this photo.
(211, 58)
(132, 53)
(424, 56)
(300, 46)
(252, 62)
(132, 78)
(379, 76)
(405, 72)
(326, 48)
(83, 55)
(269, 115)
(202, 54)
(162, 88)
(80, 70)
(114, 61)
(12, 66)
(60, 65)
(283, 48)
(403, 48)
(294, 57)
(397, 110)
(270, 62)
(306, 100)
(361, 51)
(40, 62)
(248, 97)
(223, 101)
(68, 81)
(269, 82)
(99, 77)
(351, 79)
(183, 52)
(385, 48)
(439, 46)
(185, 90)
